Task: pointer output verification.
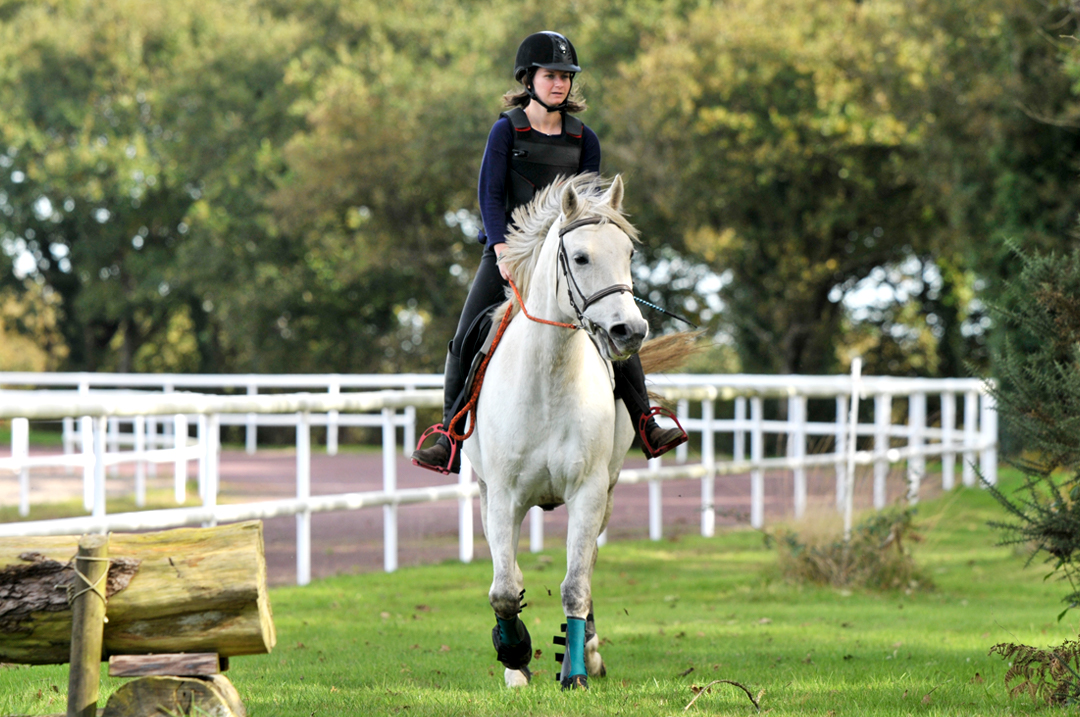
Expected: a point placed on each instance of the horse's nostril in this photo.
(620, 331)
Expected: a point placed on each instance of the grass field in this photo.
(673, 615)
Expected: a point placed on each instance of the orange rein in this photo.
(478, 382)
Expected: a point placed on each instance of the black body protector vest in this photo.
(536, 159)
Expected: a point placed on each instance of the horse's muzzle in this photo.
(624, 339)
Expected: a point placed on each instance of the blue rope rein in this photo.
(664, 311)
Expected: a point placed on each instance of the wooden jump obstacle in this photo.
(168, 608)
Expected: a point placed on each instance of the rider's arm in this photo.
(492, 186)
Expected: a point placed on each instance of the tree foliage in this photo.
(290, 186)
(1038, 396)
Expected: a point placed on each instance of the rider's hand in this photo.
(498, 253)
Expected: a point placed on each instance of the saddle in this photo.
(477, 345)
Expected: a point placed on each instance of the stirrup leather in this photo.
(438, 429)
(652, 451)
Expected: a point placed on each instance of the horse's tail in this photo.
(671, 351)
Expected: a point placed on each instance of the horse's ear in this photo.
(570, 200)
(615, 193)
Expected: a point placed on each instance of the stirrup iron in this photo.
(643, 422)
(438, 429)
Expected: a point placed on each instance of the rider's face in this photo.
(552, 86)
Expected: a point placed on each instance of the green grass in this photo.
(673, 614)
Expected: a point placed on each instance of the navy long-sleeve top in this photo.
(493, 181)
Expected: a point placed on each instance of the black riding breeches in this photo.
(487, 291)
(630, 387)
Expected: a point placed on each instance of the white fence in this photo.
(100, 412)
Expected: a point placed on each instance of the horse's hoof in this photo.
(576, 682)
(595, 667)
(517, 678)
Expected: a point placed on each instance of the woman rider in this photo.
(531, 144)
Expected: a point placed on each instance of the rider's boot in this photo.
(630, 387)
(445, 455)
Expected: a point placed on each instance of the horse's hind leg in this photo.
(511, 639)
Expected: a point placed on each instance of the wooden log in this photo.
(87, 625)
(193, 664)
(187, 590)
(157, 696)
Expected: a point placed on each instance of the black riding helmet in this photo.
(547, 50)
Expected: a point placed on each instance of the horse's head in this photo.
(595, 249)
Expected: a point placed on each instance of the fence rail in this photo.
(964, 430)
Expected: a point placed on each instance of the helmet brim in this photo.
(562, 66)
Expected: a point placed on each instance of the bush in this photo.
(877, 557)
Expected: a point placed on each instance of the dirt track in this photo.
(345, 542)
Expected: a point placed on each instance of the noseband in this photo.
(564, 263)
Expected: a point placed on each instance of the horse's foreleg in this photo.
(586, 517)
(511, 639)
(593, 662)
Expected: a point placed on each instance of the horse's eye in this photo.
(581, 260)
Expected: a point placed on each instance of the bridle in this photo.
(564, 264)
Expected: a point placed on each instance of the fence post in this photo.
(86, 434)
(151, 443)
(87, 625)
(708, 458)
(408, 443)
(853, 426)
(114, 443)
(390, 512)
(180, 436)
(656, 504)
(101, 427)
(738, 450)
(536, 529)
(971, 412)
(948, 425)
(303, 492)
(757, 453)
(139, 425)
(212, 438)
(465, 513)
(20, 451)
(202, 433)
(916, 441)
(682, 410)
(251, 433)
(840, 445)
(989, 424)
(332, 421)
(882, 433)
(68, 430)
(797, 449)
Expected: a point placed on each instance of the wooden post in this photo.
(87, 625)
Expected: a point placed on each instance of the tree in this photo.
(769, 143)
(1038, 397)
(135, 139)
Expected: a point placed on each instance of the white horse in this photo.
(548, 428)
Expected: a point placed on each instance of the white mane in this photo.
(532, 222)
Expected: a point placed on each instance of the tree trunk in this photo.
(153, 696)
(184, 590)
